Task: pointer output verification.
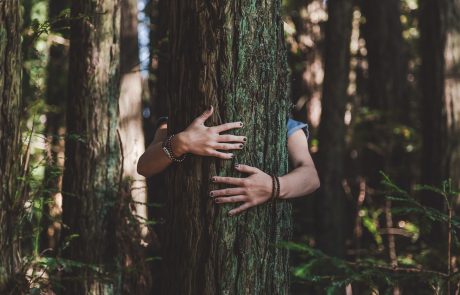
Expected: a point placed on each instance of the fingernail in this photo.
(241, 124)
(230, 214)
(211, 194)
(237, 165)
(241, 146)
(216, 200)
(213, 179)
(231, 156)
(209, 108)
(244, 139)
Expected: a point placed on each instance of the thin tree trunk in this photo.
(91, 184)
(230, 55)
(331, 197)
(433, 40)
(136, 281)
(131, 132)
(56, 98)
(11, 202)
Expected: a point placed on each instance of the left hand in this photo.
(251, 191)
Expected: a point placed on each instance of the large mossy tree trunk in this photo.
(230, 55)
(91, 184)
(331, 197)
(11, 202)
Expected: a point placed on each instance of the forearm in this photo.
(301, 181)
(155, 160)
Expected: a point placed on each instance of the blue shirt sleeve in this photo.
(294, 125)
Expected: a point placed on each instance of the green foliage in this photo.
(372, 273)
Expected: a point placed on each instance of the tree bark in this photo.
(136, 281)
(11, 202)
(452, 90)
(433, 40)
(91, 184)
(440, 38)
(131, 132)
(331, 197)
(56, 98)
(230, 55)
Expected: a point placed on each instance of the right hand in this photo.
(201, 140)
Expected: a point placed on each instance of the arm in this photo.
(197, 139)
(257, 187)
(303, 179)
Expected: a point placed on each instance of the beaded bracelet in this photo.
(167, 148)
(276, 187)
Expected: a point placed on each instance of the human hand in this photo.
(251, 191)
(201, 140)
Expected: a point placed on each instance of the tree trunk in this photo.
(331, 197)
(433, 40)
(131, 132)
(136, 281)
(230, 55)
(91, 184)
(439, 32)
(11, 203)
(452, 90)
(56, 98)
(385, 47)
(440, 38)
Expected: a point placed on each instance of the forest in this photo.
(88, 88)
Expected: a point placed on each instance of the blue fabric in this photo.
(292, 126)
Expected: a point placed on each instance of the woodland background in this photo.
(378, 82)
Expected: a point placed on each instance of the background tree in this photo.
(11, 199)
(133, 231)
(56, 98)
(91, 184)
(232, 56)
(330, 208)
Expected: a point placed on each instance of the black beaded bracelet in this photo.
(167, 148)
(273, 187)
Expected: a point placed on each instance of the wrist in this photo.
(282, 189)
(179, 144)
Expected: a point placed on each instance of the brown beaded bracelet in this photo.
(276, 187)
(167, 148)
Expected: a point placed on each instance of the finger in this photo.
(246, 169)
(204, 116)
(232, 199)
(228, 146)
(240, 209)
(228, 126)
(228, 180)
(220, 155)
(231, 138)
(226, 192)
